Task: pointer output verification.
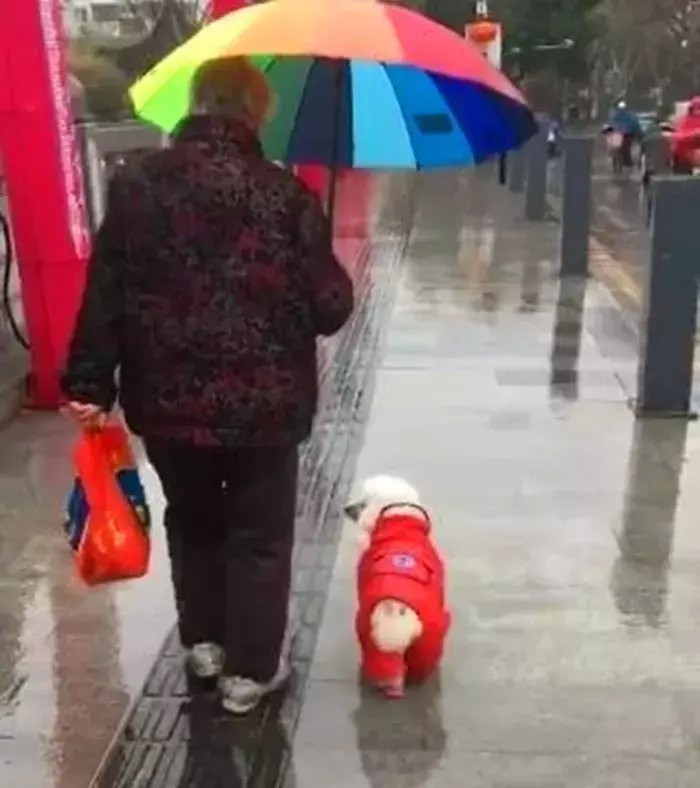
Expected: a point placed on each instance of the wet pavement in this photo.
(620, 233)
(71, 659)
(620, 245)
(621, 237)
(569, 531)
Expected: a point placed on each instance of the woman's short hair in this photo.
(232, 87)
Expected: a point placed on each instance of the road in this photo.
(620, 235)
(618, 219)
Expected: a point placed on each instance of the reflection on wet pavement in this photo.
(620, 235)
(640, 576)
(569, 531)
(415, 729)
(567, 335)
(71, 659)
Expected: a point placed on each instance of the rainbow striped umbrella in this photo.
(358, 84)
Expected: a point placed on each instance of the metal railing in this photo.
(11, 315)
(104, 146)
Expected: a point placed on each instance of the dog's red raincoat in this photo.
(401, 563)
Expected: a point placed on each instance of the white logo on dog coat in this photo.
(404, 561)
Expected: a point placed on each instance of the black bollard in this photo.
(536, 191)
(576, 204)
(657, 162)
(670, 300)
(516, 171)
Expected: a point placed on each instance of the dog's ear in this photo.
(354, 509)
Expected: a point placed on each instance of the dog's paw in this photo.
(393, 690)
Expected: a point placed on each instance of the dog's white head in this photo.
(376, 493)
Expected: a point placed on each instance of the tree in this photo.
(106, 60)
(534, 27)
(647, 48)
(451, 13)
(104, 83)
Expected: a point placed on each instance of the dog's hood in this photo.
(404, 517)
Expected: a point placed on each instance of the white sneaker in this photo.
(240, 695)
(206, 660)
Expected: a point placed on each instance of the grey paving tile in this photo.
(605, 722)
(569, 534)
(419, 769)
(573, 555)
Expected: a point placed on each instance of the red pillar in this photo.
(218, 8)
(42, 168)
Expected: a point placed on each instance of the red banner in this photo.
(42, 168)
(55, 44)
(218, 8)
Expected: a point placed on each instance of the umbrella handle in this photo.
(335, 145)
(332, 193)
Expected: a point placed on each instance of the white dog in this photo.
(376, 494)
(401, 620)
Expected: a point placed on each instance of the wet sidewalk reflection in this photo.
(569, 529)
(71, 658)
(570, 533)
(640, 579)
(567, 337)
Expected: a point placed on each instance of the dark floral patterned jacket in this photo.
(211, 277)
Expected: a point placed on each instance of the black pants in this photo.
(230, 526)
(626, 150)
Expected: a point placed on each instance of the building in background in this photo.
(110, 18)
(126, 19)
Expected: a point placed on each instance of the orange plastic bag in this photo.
(108, 519)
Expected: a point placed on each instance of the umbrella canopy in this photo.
(357, 83)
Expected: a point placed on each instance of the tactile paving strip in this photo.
(176, 735)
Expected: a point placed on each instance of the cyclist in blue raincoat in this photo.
(625, 122)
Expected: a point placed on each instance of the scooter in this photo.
(685, 152)
(689, 164)
(615, 141)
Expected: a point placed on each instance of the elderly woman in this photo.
(211, 277)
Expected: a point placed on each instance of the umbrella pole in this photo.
(335, 147)
(332, 193)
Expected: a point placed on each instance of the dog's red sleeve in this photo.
(424, 656)
(381, 667)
